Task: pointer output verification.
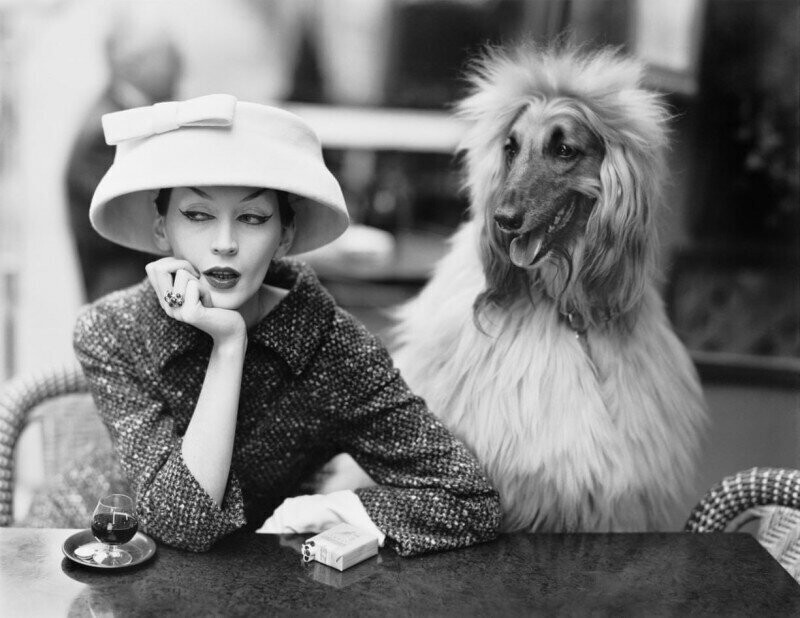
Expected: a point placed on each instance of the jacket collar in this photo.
(295, 327)
(292, 330)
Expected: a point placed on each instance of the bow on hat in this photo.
(213, 110)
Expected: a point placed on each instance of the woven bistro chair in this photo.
(78, 462)
(770, 495)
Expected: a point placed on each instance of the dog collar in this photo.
(577, 323)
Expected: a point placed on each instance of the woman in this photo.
(230, 375)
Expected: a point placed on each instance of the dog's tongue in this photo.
(524, 249)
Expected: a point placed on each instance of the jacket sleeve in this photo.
(432, 494)
(171, 504)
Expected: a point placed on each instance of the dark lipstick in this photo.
(222, 278)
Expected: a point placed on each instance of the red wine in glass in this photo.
(114, 523)
(114, 529)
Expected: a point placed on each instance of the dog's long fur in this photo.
(597, 431)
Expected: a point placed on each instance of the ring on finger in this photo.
(176, 299)
(173, 299)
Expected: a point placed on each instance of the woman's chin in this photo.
(227, 300)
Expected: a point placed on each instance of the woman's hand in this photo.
(180, 277)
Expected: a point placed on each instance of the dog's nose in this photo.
(508, 222)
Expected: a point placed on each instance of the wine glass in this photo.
(113, 523)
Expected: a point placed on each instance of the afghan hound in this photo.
(541, 340)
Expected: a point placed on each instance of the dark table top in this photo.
(248, 574)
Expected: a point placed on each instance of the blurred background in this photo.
(376, 78)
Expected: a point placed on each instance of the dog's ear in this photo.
(619, 254)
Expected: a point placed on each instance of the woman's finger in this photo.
(161, 282)
(192, 292)
(179, 282)
(171, 264)
(179, 296)
(162, 273)
(192, 296)
(205, 294)
(176, 296)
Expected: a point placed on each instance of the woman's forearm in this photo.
(208, 441)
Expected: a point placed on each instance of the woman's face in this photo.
(229, 234)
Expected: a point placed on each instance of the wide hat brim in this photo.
(262, 147)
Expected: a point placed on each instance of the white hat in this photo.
(213, 140)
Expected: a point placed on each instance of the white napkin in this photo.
(318, 512)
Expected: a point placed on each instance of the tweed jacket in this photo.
(315, 383)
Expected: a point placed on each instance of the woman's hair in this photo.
(284, 208)
(162, 201)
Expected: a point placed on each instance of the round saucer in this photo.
(77, 547)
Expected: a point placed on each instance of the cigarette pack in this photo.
(340, 547)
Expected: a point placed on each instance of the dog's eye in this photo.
(565, 151)
(511, 148)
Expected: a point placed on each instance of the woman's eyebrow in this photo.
(254, 195)
(202, 194)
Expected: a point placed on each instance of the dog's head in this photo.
(563, 165)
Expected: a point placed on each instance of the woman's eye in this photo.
(511, 148)
(565, 151)
(251, 219)
(196, 215)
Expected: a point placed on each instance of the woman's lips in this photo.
(222, 278)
